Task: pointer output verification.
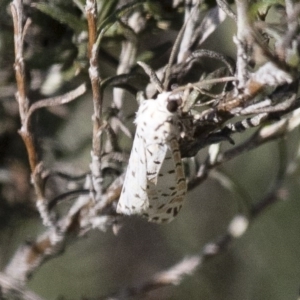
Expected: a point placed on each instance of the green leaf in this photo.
(106, 8)
(121, 80)
(118, 14)
(154, 9)
(62, 16)
(109, 21)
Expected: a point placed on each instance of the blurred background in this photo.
(263, 264)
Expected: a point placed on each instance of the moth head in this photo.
(174, 101)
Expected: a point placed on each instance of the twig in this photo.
(172, 276)
(36, 165)
(183, 39)
(243, 41)
(22, 97)
(262, 136)
(136, 23)
(62, 99)
(226, 8)
(152, 75)
(95, 166)
(30, 256)
(13, 290)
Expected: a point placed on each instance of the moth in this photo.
(155, 184)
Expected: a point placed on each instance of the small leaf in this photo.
(62, 16)
(118, 14)
(121, 81)
(106, 8)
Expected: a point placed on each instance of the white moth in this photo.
(155, 184)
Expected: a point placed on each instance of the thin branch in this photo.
(263, 135)
(152, 75)
(136, 23)
(181, 44)
(212, 54)
(226, 8)
(78, 221)
(37, 169)
(172, 276)
(244, 40)
(59, 100)
(10, 288)
(22, 97)
(95, 166)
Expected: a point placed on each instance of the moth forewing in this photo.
(167, 197)
(134, 198)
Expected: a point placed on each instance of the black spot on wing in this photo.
(176, 211)
(149, 152)
(144, 109)
(160, 125)
(151, 173)
(180, 180)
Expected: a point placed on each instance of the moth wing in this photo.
(155, 156)
(134, 198)
(167, 196)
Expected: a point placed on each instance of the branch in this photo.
(95, 166)
(62, 99)
(11, 288)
